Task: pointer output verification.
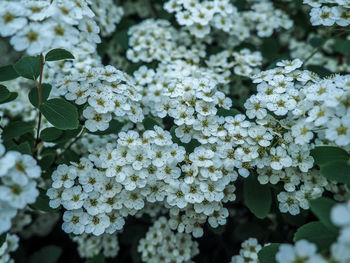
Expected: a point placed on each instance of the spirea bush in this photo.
(175, 131)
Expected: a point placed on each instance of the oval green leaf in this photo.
(60, 113)
(268, 253)
(4, 93)
(257, 197)
(8, 73)
(28, 67)
(50, 134)
(58, 54)
(33, 95)
(321, 207)
(316, 233)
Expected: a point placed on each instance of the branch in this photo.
(38, 85)
(71, 144)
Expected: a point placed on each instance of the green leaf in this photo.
(338, 171)
(34, 96)
(257, 197)
(321, 207)
(3, 238)
(68, 157)
(8, 73)
(4, 93)
(149, 123)
(48, 254)
(67, 135)
(46, 161)
(325, 154)
(16, 129)
(316, 41)
(60, 113)
(268, 253)
(123, 38)
(28, 67)
(24, 148)
(317, 233)
(13, 96)
(114, 128)
(231, 112)
(270, 48)
(42, 202)
(58, 54)
(96, 259)
(50, 134)
(342, 46)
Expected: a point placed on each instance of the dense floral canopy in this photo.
(175, 131)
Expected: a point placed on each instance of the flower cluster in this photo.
(159, 40)
(201, 17)
(315, 110)
(37, 26)
(90, 246)
(305, 251)
(340, 216)
(244, 62)
(313, 107)
(178, 91)
(248, 252)
(329, 12)
(143, 168)
(207, 105)
(161, 244)
(10, 245)
(106, 92)
(18, 186)
(107, 15)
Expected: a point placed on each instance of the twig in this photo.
(153, 8)
(320, 46)
(38, 85)
(71, 144)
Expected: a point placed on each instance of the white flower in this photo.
(288, 203)
(289, 66)
(75, 221)
(302, 132)
(303, 250)
(18, 195)
(279, 158)
(33, 38)
(11, 18)
(339, 131)
(63, 176)
(96, 121)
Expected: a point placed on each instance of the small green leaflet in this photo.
(8, 73)
(60, 113)
(58, 54)
(321, 207)
(268, 253)
(316, 233)
(34, 97)
(28, 67)
(48, 254)
(257, 197)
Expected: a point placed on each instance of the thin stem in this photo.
(153, 8)
(38, 85)
(329, 34)
(71, 144)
